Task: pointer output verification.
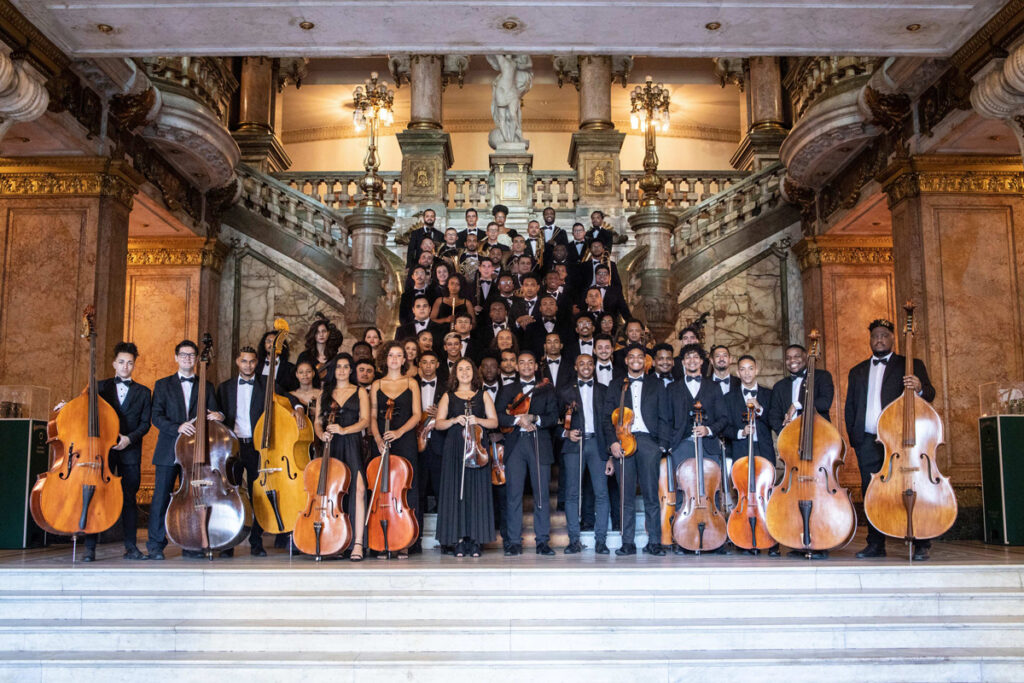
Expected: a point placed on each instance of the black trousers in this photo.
(130, 478)
(611, 486)
(430, 468)
(249, 462)
(593, 464)
(640, 469)
(518, 464)
(163, 485)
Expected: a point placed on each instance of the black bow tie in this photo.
(879, 361)
(693, 379)
(554, 361)
(527, 384)
(604, 367)
(664, 375)
(635, 379)
(586, 343)
(429, 383)
(498, 326)
(186, 379)
(421, 323)
(118, 380)
(578, 242)
(491, 387)
(531, 302)
(588, 383)
(720, 380)
(250, 382)
(418, 291)
(750, 392)
(548, 319)
(799, 375)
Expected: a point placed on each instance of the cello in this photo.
(753, 477)
(908, 497)
(323, 528)
(809, 510)
(394, 527)
(699, 524)
(207, 512)
(79, 494)
(278, 493)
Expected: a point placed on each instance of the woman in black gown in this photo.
(465, 523)
(343, 412)
(405, 392)
(443, 312)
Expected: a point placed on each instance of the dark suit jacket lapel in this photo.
(110, 393)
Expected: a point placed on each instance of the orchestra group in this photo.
(517, 350)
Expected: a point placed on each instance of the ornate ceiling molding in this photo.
(844, 250)
(180, 251)
(949, 174)
(69, 177)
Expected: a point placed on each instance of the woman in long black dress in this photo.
(443, 312)
(465, 523)
(405, 392)
(343, 412)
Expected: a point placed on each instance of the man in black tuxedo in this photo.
(584, 338)
(485, 286)
(721, 375)
(416, 237)
(174, 412)
(611, 294)
(547, 321)
(598, 232)
(241, 399)
(577, 245)
(133, 404)
(488, 326)
(420, 321)
(553, 364)
(520, 458)
(525, 308)
(788, 394)
(418, 285)
(471, 346)
(634, 335)
(749, 391)
(552, 234)
(664, 367)
(450, 355)
(285, 374)
(872, 385)
(471, 227)
(651, 427)
(429, 474)
(588, 398)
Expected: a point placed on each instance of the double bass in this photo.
(278, 493)
(207, 512)
(753, 477)
(699, 524)
(323, 528)
(391, 523)
(908, 497)
(79, 494)
(809, 510)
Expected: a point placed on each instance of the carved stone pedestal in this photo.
(369, 228)
(426, 156)
(512, 184)
(262, 150)
(594, 155)
(759, 148)
(654, 301)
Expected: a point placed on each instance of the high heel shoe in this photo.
(354, 557)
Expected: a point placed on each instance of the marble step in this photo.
(515, 635)
(512, 604)
(968, 665)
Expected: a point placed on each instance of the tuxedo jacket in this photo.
(409, 297)
(619, 358)
(569, 394)
(416, 238)
(227, 398)
(285, 379)
(713, 406)
(574, 252)
(601, 235)
(536, 332)
(892, 387)
(654, 408)
(169, 413)
(585, 276)
(782, 397)
(736, 409)
(565, 374)
(481, 235)
(521, 306)
(558, 236)
(615, 303)
(408, 331)
(571, 349)
(133, 416)
(543, 403)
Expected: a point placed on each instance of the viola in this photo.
(391, 523)
(323, 528)
(622, 418)
(699, 524)
(908, 497)
(278, 494)
(753, 477)
(79, 494)
(474, 454)
(809, 510)
(207, 512)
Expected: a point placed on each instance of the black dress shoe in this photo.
(774, 551)
(416, 548)
(257, 551)
(514, 550)
(133, 553)
(871, 551)
(155, 555)
(230, 552)
(601, 548)
(920, 554)
(544, 549)
(678, 550)
(810, 555)
(626, 549)
(573, 548)
(654, 549)
(193, 554)
(89, 556)
(587, 527)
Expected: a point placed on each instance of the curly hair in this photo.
(382, 356)
(335, 338)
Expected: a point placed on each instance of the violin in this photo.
(622, 418)
(79, 494)
(474, 455)
(809, 509)
(207, 512)
(699, 524)
(390, 521)
(753, 477)
(323, 528)
(497, 461)
(278, 494)
(426, 425)
(908, 497)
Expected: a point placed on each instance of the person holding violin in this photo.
(174, 412)
(465, 510)
(133, 404)
(788, 393)
(341, 414)
(528, 452)
(645, 396)
(431, 389)
(394, 384)
(872, 385)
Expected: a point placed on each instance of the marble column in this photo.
(766, 114)
(23, 93)
(654, 301)
(65, 238)
(594, 150)
(255, 134)
(369, 227)
(958, 251)
(426, 148)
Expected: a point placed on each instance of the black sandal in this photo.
(356, 558)
(460, 549)
(476, 550)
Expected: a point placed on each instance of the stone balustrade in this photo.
(554, 188)
(682, 189)
(339, 190)
(468, 190)
(207, 79)
(813, 77)
(727, 211)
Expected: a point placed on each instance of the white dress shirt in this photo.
(798, 383)
(636, 391)
(122, 390)
(186, 390)
(492, 389)
(603, 372)
(427, 392)
(724, 385)
(243, 399)
(750, 395)
(874, 411)
(587, 398)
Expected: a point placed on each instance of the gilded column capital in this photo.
(177, 251)
(848, 250)
(952, 174)
(69, 177)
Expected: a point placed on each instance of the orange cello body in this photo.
(391, 523)
(699, 524)
(78, 494)
(908, 497)
(753, 477)
(666, 498)
(323, 528)
(809, 510)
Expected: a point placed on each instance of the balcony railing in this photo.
(682, 190)
(811, 77)
(340, 189)
(206, 79)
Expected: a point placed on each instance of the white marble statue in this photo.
(514, 79)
